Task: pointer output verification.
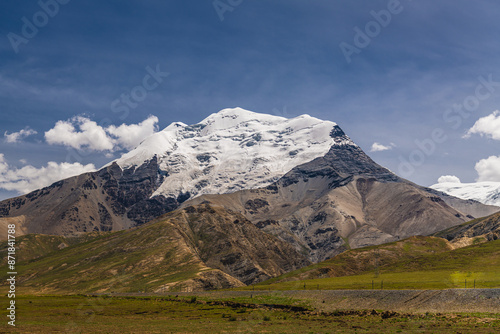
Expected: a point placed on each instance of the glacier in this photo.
(231, 150)
(484, 192)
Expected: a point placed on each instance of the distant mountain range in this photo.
(302, 180)
(484, 192)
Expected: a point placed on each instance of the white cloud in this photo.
(29, 178)
(81, 132)
(15, 137)
(376, 147)
(129, 136)
(488, 126)
(449, 179)
(89, 135)
(488, 169)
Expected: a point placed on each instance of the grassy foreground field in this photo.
(87, 314)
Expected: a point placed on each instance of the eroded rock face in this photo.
(227, 241)
(131, 189)
(339, 165)
(207, 280)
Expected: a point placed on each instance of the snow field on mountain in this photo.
(484, 192)
(231, 150)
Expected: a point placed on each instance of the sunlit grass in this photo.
(474, 266)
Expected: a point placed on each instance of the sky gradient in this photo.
(416, 87)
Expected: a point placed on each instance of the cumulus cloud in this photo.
(488, 169)
(29, 178)
(15, 137)
(81, 132)
(377, 147)
(449, 179)
(89, 135)
(129, 136)
(488, 126)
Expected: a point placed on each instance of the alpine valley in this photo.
(236, 199)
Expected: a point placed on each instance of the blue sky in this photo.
(280, 57)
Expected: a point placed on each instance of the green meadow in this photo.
(92, 314)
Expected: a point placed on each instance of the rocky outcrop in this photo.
(339, 165)
(227, 241)
(476, 231)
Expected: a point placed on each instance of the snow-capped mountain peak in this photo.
(484, 192)
(233, 149)
(236, 118)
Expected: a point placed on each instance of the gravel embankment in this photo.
(418, 301)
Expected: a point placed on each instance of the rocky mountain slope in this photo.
(33, 246)
(340, 201)
(196, 248)
(469, 207)
(108, 200)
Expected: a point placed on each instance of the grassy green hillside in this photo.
(365, 259)
(115, 262)
(415, 263)
(33, 246)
